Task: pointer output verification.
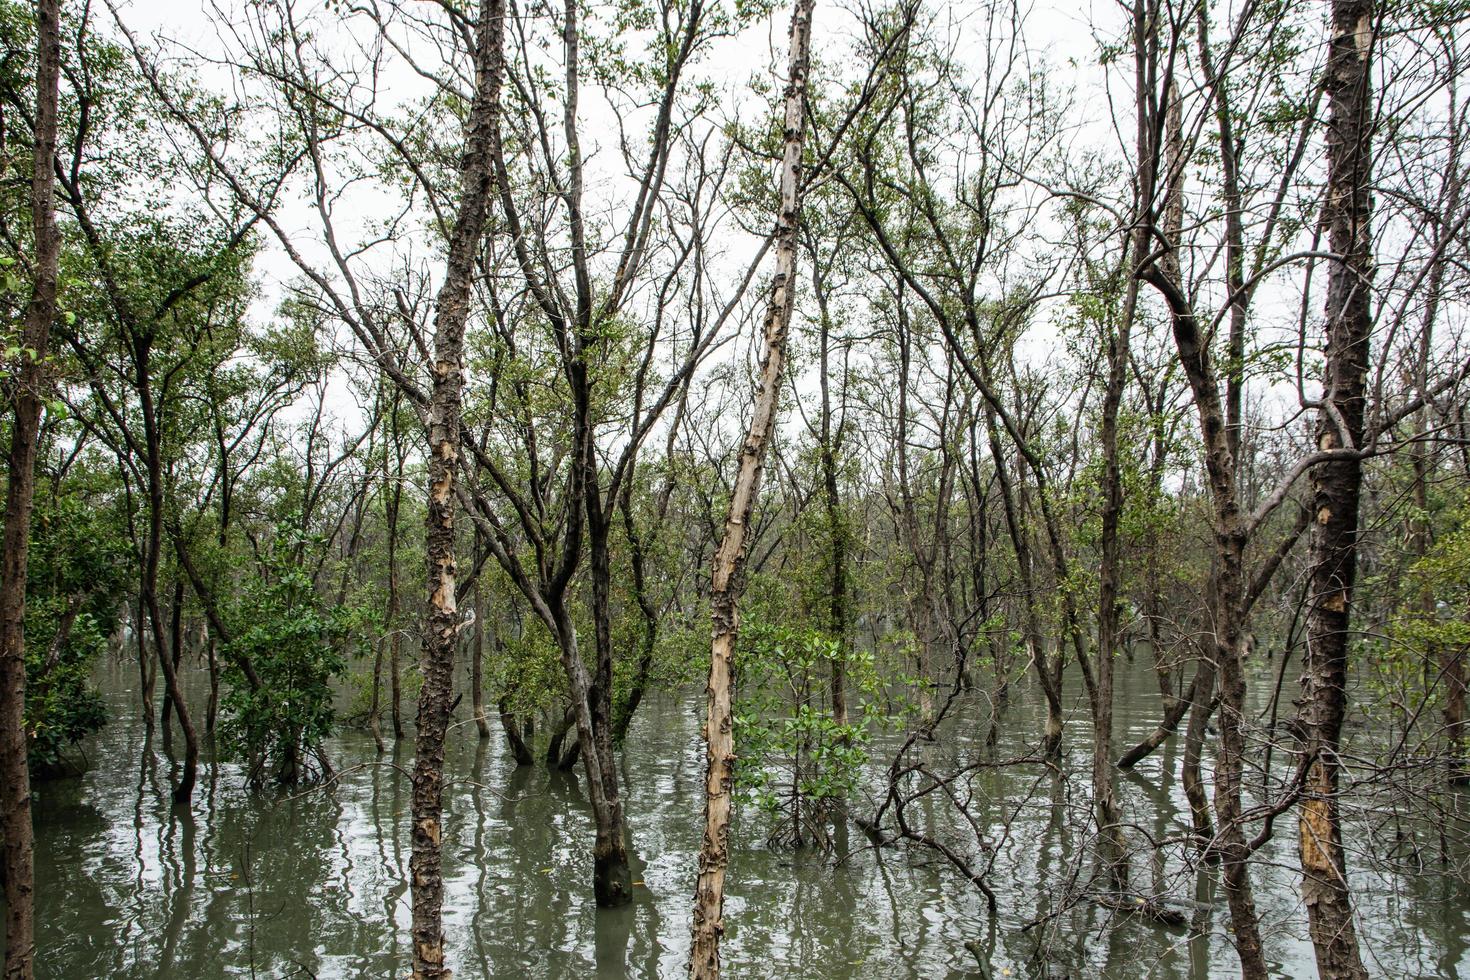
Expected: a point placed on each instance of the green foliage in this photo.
(295, 642)
(78, 565)
(1435, 620)
(797, 760)
(524, 667)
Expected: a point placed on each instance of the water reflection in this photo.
(256, 884)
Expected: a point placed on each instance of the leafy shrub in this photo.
(78, 565)
(797, 762)
(295, 641)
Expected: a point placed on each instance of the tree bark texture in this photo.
(714, 852)
(441, 628)
(1336, 484)
(15, 780)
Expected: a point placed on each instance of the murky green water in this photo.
(251, 884)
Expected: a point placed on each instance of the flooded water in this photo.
(262, 885)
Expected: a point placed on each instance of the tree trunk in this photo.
(441, 629)
(173, 688)
(375, 719)
(477, 660)
(639, 685)
(211, 708)
(16, 834)
(1456, 729)
(1013, 504)
(558, 737)
(175, 647)
(1153, 611)
(514, 737)
(375, 705)
(612, 871)
(714, 852)
(1223, 656)
(1230, 756)
(146, 675)
(152, 553)
(637, 562)
(1336, 484)
(395, 635)
(612, 878)
(836, 524)
(1201, 706)
(477, 699)
(1104, 791)
(1173, 714)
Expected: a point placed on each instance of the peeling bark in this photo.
(441, 629)
(714, 852)
(1336, 485)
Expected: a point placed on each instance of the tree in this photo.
(293, 640)
(29, 401)
(1336, 483)
(714, 851)
(442, 621)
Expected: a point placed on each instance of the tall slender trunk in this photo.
(1013, 504)
(649, 640)
(211, 707)
(1153, 611)
(375, 705)
(978, 517)
(141, 345)
(612, 879)
(1104, 790)
(921, 607)
(832, 503)
(1223, 655)
(395, 635)
(175, 645)
(16, 834)
(727, 577)
(1153, 614)
(637, 553)
(146, 675)
(1230, 614)
(375, 712)
(477, 659)
(1230, 755)
(173, 686)
(1336, 484)
(441, 629)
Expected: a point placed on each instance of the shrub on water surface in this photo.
(796, 761)
(295, 641)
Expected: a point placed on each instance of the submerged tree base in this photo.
(612, 878)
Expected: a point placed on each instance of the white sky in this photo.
(1064, 34)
